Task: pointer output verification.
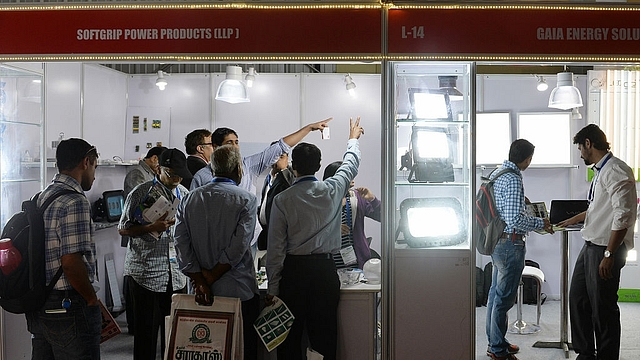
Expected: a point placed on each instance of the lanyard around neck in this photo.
(223, 179)
(592, 188)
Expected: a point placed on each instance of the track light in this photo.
(161, 82)
(351, 86)
(566, 95)
(251, 77)
(233, 90)
(575, 114)
(542, 84)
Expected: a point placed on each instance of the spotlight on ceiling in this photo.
(233, 90)
(565, 95)
(161, 82)
(351, 86)
(250, 77)
(542, 84)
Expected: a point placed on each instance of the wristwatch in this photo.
(607, 253)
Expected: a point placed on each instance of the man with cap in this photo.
(150, 261)
(146, 170)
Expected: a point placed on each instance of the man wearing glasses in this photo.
(256, 164)
(199, 149)
(148, 218)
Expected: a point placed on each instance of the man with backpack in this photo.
(508, 255)
(73, 303)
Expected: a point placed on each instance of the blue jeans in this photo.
(508, 263)
(73, 335)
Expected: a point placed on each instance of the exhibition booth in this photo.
(465, 91)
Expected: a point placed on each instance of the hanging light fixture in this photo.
(575, 114)
(542, 84)
(448, 84)
(251, 77)
(351, 86)
(233, 90)
(565, 95)
(161, 82)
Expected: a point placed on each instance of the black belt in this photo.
(589, 243)
(511, 236)
(311, 256)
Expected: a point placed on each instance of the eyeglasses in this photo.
(170, 173)
(203, 144)
(92, 149)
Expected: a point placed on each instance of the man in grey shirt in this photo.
(214, 229)
(146, 170)
(304, 231)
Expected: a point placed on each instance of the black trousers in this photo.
(250, 312)
(311, 289)
(149, 309)
(593, 305)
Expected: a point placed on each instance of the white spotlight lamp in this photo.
(575, 114)
(250, 77)
(161, 82)
(233, 90)
(542, 84)
(351, 86)
(565, 96)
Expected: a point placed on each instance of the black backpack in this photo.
(488, 226)
(25, 289)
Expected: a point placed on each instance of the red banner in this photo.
(478, 31)
(192, 31)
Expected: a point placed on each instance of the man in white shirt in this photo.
(608, 235)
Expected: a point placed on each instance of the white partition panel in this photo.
(188, 96)
(105, 103)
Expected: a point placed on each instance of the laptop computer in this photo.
(563, 209)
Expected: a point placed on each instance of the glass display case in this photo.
(432, 110)
(430, 175)
(21, 136)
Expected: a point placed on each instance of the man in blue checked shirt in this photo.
(69, 244)
(508, 256)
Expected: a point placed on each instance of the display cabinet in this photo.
(21, 171)
(431, 177)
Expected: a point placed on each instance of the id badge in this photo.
(172, 253)
(348, 255)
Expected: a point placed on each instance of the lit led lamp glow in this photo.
(429, 104)
(233, 90)
(431, 153)
(429, 222)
